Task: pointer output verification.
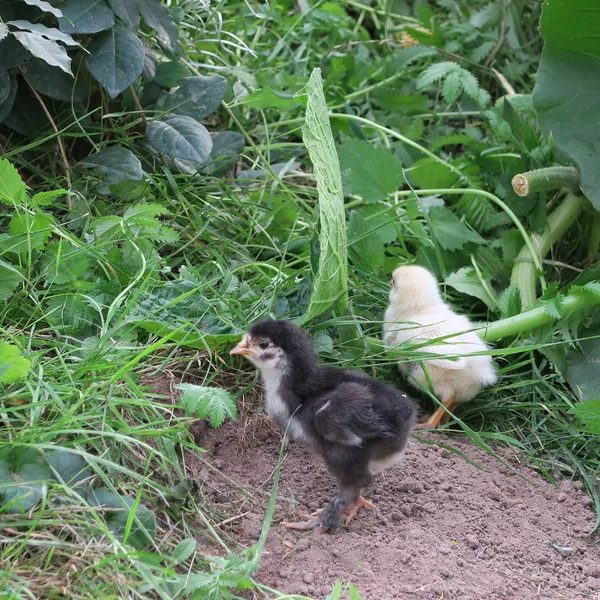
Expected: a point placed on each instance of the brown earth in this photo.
(443, 528)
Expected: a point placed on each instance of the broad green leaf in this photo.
(10, 278)
(50, 33)
(583, 366)
(466, 281)
(3, 31)
(128, 10)
(450, 232)
(116, 59)
(12, 53)
(429, 173)
(588, 412)
(87, 16)
(7, 104)
(48, 50)
(13, 366)
(214, 404)
(23, 478)
(62, 263)
(331, 282)
(365, 244)
(45, 6)
(12, 188)
(197, 97)
(227, 145)
(5, 86)
(143, 527)
(157, 16)
(116, 163)
(169, 73)
(180, 137)
(70, 467)
(184, 550)
(27, 232)
(268, 98)
(371, 172)
(567, 90)
(52, 83)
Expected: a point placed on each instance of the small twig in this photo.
(138, 105)
(509, 89)
(58, 138)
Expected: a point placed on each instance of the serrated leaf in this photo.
(371, 172)
(70, 311)
(365, 245)
(583, 366)
(46, 198)
(50, 33)
(13, 366)
(196, 97)
(509, 302)
(593, 287)
(10, 278)
(87, 16)
(180, 137)
(48, 50)
(157, 16)
(45, 6)
(205, 402)
(452, 87)
(62, 263)
(588, 412)
(27, 232)
(117, 163)
(128, 10)
(12, 188)
(450, 232)
(116, 59)
(554, 307)
(145, 211)
(466, 281)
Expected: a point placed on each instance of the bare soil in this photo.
(443, 528)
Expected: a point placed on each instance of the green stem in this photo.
(522, 323)
(524, 271)
(594, 241)
(543, 180)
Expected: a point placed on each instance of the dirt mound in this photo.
(443, 528)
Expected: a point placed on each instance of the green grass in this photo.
(247, 249)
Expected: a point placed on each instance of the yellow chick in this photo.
(417, 312)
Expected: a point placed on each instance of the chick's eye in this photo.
(263, 345)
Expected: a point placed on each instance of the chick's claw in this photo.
(307, 525)
(353, 509)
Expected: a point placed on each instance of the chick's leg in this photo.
(439, 416)
(353, 509)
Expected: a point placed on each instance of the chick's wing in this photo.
(346, 415)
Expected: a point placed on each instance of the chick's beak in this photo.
(242, 348)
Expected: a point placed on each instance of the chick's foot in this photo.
(307, 525)
(353, 509)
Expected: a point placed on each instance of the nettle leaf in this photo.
(371, 172)
(450, 232)
(554, 307)
(143, 525)
(28, 232)
(157, 16)
(45, 6)
(180, 137)
(13, 366)
(583, 366)
(208, 402)
(116, 59)
(10, 278)
(87, 16)
(466, 281)
(50, 33)
(46, 198)
(509, 302)
(117, 163)
(63, 262)
(128, 10)
(48, 50)
(365, 244)
(588, 412)
(12, 188)
(196, 97)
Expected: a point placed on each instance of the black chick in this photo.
(357, 424)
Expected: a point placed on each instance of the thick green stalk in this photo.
(524, 271)
(524, 322)
(544, 180)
